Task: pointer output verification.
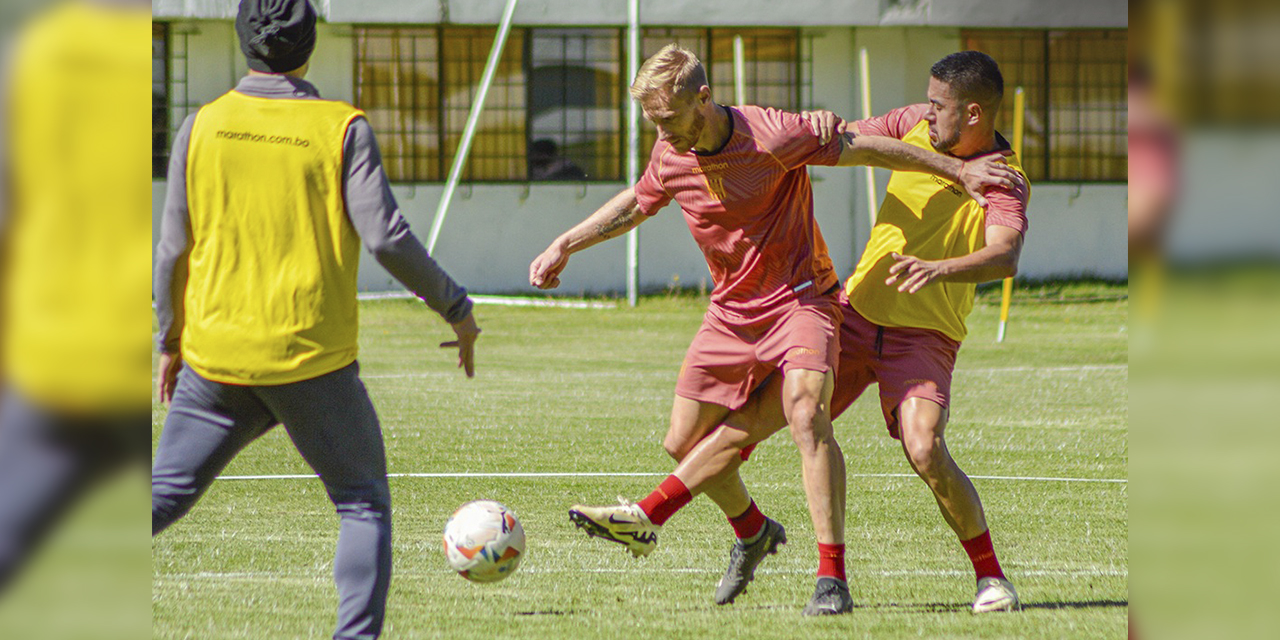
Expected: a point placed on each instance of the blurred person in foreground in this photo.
(271, 190)
(1153, 170)
(75, 232)
(739, 174)
(1153, 190)
(904, 313)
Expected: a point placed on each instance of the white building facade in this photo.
(560, 90)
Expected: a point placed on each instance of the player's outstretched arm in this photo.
(619, 215)
(999, 259)
(976, 175)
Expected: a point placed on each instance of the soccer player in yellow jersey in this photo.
(905, 305)
(271, 191)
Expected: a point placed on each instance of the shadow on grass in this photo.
(965, 606)
(1086, 604)
(940, 607)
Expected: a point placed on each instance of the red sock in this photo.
(749, 523)
(831, 561)
(983, 556)
(666, 500)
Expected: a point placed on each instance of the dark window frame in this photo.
(161, 139)
(1053, 144)
(176, 89)
(800, 79)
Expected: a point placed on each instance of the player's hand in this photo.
(988, 171)
(170, 365)
(467, 332)
(824, 124)
(544, 272)
(913, 272)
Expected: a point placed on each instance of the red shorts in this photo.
(908, 363)
(730, 355)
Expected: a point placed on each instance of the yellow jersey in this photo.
(929, 217)
(271, 290)
(77, 232)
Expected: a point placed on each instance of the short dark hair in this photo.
(973, 75)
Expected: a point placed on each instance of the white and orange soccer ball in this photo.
(483, 541)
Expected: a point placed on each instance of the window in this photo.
(159, 99)
(498, 149)
(397, 79)
(170, 102)
(1076, 103)
(771, 66)
(556, 107)
(575, 104)
(1211, 64)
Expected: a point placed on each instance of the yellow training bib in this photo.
(271, 295)
(75, 287)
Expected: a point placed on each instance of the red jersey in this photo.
(749, 206)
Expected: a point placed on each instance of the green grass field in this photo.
(588, 391)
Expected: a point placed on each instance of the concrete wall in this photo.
(1227, 205)
(978, 13)
(1077, 230)
(493, 231)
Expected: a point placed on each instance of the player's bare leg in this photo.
(801, 400)
(806, 401)
(637, 525)
(756, 535)
(714, 462)
(922, 424)
(691, 422)
(718, 455)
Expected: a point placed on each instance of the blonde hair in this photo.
(670, 71)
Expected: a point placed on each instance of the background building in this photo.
(550, 146)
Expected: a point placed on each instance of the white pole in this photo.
(865, 73)
(633, 147)
(477, 106)
(739, 72)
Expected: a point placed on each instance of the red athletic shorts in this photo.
(908, 363)
(731, 355)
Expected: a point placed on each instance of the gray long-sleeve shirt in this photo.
(369, 202)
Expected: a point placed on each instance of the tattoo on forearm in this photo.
(620, 220)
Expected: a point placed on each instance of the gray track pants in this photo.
(47, 463)
(333, 425)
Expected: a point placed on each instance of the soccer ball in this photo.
(483, 541)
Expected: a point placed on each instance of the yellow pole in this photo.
(1019, 118)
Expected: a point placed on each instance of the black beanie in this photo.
(276, 35)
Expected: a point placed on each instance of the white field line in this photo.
(1074, 369)
(1071, 369)
(506, 301)
(1081, 573)
(302, 476)
(526, 569)
(557, 376)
